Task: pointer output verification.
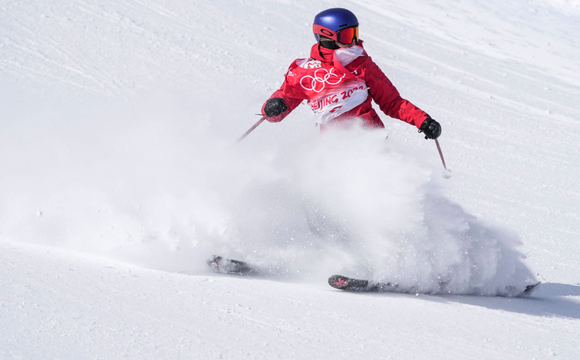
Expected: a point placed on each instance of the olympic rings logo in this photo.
(317, 83)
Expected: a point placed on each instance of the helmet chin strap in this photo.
(320, 52)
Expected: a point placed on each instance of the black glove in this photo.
(430, 128)
(275, 107)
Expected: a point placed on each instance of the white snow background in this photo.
(121, 175)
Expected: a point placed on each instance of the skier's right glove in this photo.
(431, 128)
(274, 107)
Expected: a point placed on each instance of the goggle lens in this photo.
(346, 36)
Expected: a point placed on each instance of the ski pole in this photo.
(251, 129)
(441, 154)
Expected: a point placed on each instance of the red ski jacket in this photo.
(337, 85)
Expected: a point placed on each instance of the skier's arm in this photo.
(284, 100)
(388, 98)
(279, 105)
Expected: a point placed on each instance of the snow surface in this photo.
(121, 176)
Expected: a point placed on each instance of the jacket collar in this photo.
(323, 54)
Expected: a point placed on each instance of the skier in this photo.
(338, 78)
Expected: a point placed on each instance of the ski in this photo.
(350, 284)
(527, 291)
(223, 265)
(346, 283)
(229, 266)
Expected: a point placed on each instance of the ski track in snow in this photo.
(118, 130)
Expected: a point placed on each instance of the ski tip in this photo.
(338, 281)
(214, 262)
(223, 265)
(529, 290)
(345, 283)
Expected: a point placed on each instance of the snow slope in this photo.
(121, 176)
(86, 307)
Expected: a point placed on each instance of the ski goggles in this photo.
(344, 36)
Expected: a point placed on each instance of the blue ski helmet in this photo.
(337, 24)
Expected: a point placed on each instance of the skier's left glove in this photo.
(431, 128)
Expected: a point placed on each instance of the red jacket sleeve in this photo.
(387, 96)
(291, 95)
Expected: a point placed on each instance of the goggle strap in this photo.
(321, 30)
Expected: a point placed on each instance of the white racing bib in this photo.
(330, 92)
